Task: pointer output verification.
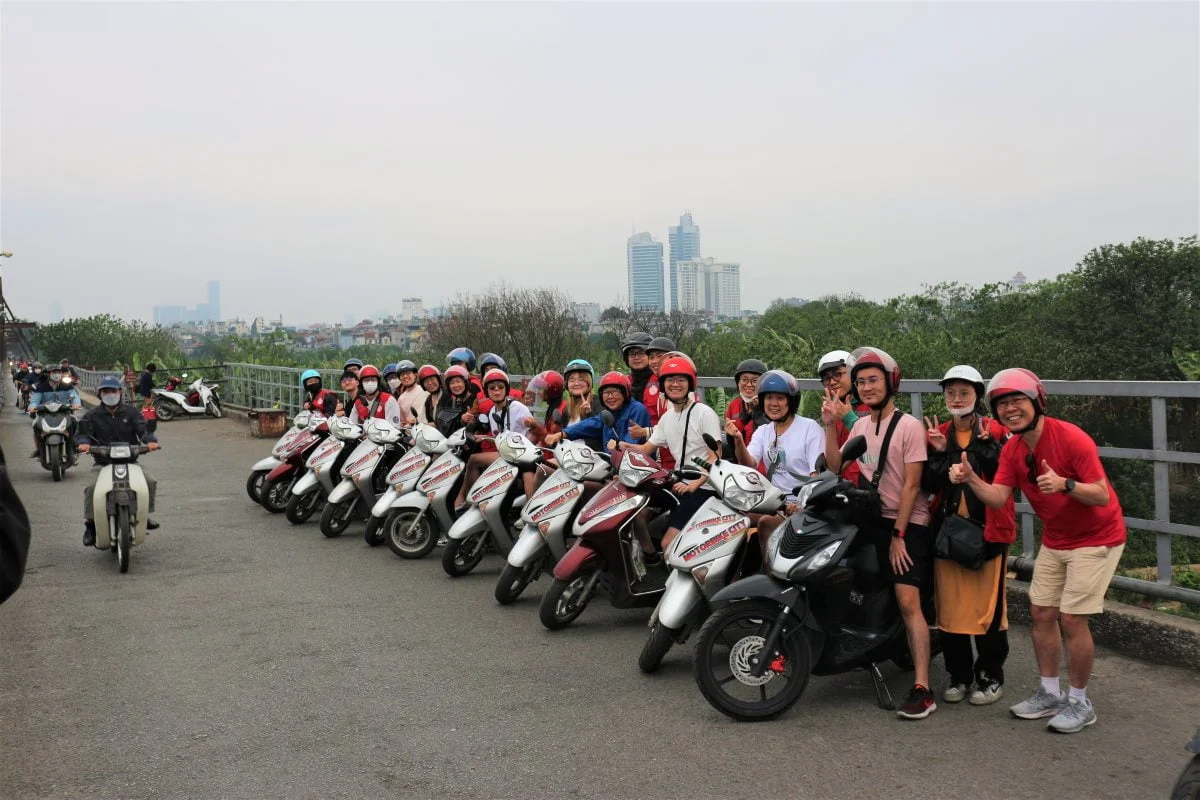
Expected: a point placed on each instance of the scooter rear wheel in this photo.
(1188, 785)
(165, 410)
(728, 647)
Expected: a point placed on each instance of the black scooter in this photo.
(825, 607)
(1188, 785)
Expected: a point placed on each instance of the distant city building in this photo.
(56, 312)
(710, 286)
(684, 240)
(1019, 279)
(587, 313)
(644, 262)
(170, 315)
(214, 301)
(411, 308)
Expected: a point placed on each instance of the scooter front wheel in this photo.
(658, 644)
(254, 485)
(275, 494)
(124, 538)
(409, 533)
(513, 581)
(727, 650)
(564, 601)
(374, 534)
(336, 517)
(1188, 785)
(56, 467)
(460, 556)
(301, 507)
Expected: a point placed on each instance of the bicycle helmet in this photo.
(678, 364)
(462, 355)
(779, 382)
(660, 344)
(618, 380)
(874, 357)
(404, 365)
(579, 365)
(492, 360)
(495, 376)
(834, 359)
(1017, 381)
(752, 366)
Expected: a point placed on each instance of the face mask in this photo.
(394, 383)
(963, 412)
(55, 377)
(110, 399)
(313, 388)
(37, 372)
(370, 386)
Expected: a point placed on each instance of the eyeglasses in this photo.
(864, 382)
(834, 377)
(748, 380)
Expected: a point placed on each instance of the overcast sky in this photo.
(325, 159)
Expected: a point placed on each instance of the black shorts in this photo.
(918, 539)
(689, 504)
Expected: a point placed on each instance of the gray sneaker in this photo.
(1041, 704)
(1074, 717)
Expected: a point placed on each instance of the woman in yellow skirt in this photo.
(970, 603)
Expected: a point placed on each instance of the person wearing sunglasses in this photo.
(1056, 465)
(970, 602)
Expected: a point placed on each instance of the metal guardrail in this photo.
(254, 386)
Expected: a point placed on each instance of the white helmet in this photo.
(965, 373)
(835, 358)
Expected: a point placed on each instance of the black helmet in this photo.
(638, 339)
(751, 365)
(662, 344)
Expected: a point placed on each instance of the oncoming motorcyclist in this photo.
(317, 398)
(112, 422)
(52, 389)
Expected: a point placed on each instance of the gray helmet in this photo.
(751, 365)
(406, 366)
(638, 339)
(661, 344)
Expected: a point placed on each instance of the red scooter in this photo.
(607, 557)
(277, 486)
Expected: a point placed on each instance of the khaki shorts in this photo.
(1073, 581)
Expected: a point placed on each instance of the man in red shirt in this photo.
(1057, 468)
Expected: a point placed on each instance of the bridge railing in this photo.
(256, 386)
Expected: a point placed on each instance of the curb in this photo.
(1131, 631)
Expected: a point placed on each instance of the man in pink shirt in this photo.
(902, 535)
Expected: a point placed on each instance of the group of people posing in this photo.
(931, 477)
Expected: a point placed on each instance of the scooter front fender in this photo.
(529, 546)
(384, 504)
(762, 587)
(678, 601)
(267, 464)
(279, 472)
(413, 501)
(470, 523)
(575, 561)
(342, 491)
(307, 482)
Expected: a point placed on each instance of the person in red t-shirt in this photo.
(1057, 468)
(743, 411)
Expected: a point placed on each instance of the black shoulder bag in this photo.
(868, 511)
(960, 540)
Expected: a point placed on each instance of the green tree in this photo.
(103, 341)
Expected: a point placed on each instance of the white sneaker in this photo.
(986, 695)
(955, 693)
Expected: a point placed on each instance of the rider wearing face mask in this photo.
(401, 379)
(51, 389)
(112, 422)
(373, 402)
(316, 397)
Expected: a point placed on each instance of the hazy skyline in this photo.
(317, 157)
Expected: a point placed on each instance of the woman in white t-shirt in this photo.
(505, 415)
(681, 430)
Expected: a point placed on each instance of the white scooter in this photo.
(548, 517)
(427, 444)
(121, 501)
(418, 518)
(200, 399)
(322, 470)
(708, 553)
(362, 485)
(494, 504)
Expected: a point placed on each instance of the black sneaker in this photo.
(151, 525)
(918, 705)
(89, 534)
(652, 559)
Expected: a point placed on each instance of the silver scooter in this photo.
(358, 489)
(419, 517)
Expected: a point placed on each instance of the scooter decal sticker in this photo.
(708, 523)
(372, 453)
(405, 469)
(591, 513)
(502, 478)
(716, 541)
(558, 502)
(433, 480)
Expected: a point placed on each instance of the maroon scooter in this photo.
(606, 556)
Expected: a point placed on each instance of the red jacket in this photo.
(737, 413)
(364, 407)
(324, 402)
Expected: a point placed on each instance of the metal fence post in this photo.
(1162, 487)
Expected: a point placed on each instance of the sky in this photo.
(322, 160)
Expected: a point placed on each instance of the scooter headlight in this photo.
(774, 541)
(301, 420)
(739, 498)
(576, 468)
(512, 447)
(805, 492)
(119, 451)
(818, 560)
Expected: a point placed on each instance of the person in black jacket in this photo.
(14, 535)
(112, 422)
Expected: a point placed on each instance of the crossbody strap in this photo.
(883, 451)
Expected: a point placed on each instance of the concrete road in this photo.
(243, 657)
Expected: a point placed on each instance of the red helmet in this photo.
(368, 371)
(678, 364)
(1016, 381)
(495, 376)
(428, 371)
(549, 383)
(618, 380)
(457, 371)
(874, 357)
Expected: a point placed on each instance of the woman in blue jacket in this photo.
(615, 395)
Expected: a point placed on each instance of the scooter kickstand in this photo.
(883, 695)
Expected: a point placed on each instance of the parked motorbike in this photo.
(365, 468)
(263, 467)
(548, 517)
(1188, 785)
(708, 553)
(825, 608)
(427, 443)
(199, 400)
(55, 426)
(607, 557)
(121, 501)
(493, 506)
(323, 470)
(277, 487)
(417, 519)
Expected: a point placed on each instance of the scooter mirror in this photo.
(821, 464)
(711, 442)
(607, 417)
(853, 449)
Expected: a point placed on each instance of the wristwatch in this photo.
(1068, 486)
(897, 533)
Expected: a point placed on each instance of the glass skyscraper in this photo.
(644, 259)
(684, 239)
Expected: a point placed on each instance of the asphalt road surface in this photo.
(243, 657)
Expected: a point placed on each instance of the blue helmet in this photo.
(492, 360)
(462, 355)
(109, 382)
(391, 369)
(777, 381)
(579, 365)
(308, 375)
